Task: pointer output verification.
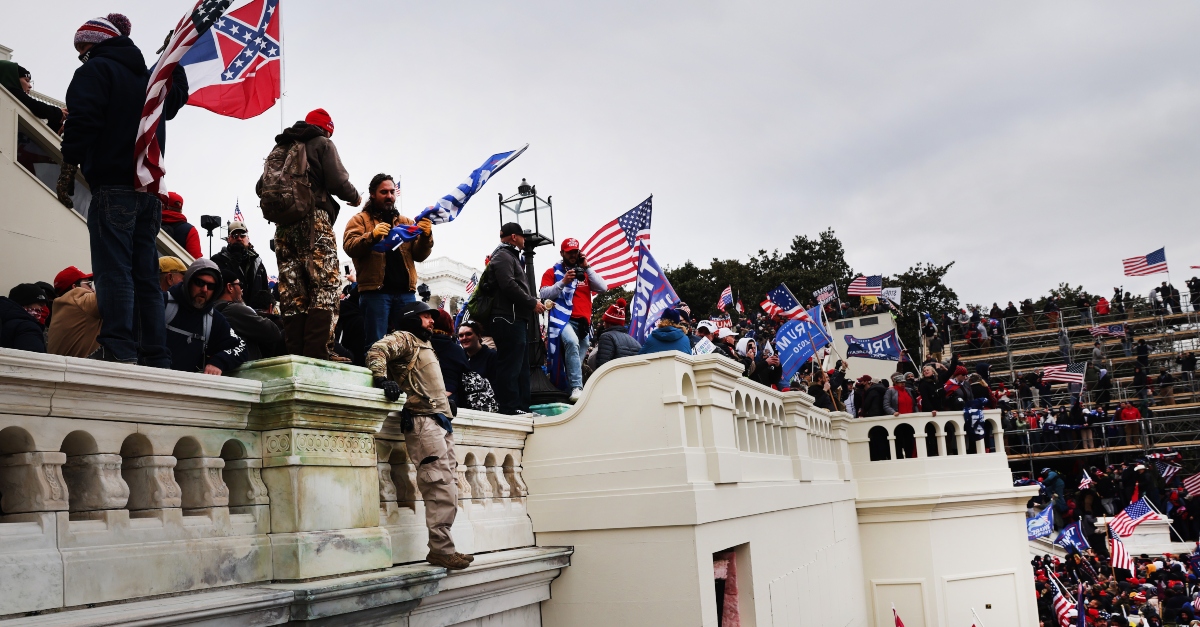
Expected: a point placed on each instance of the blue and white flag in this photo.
(1072, 536)
(1041, 525)
(652, 294)
(884, 347)
(560, 317)
(448, 208)
(797, 340)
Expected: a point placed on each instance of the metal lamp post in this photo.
(536, 217)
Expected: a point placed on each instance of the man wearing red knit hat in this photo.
(614, 341)
(305, 247)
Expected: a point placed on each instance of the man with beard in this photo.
(386, 281)
(200, 339)
(404, 361)
(239, 258)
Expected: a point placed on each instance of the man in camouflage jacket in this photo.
(404, 361)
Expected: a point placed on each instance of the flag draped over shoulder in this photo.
(448, 207)
(560, 317)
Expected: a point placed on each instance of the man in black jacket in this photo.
(23, 318)
(239, 258)
(262, 336)
(873, 399)
(200, 339)
(105, 101)
(614, 341)
(511, 311)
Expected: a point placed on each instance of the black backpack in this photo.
(479, 306)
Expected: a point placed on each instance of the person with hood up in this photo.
(19, 82)
(198, 337)
(23, 317)
(239, 257)
(614, 341)
(175, 224)
(76, 322)
(747, 352)
(668, 336)
(1055, 488)
(105, 100)
(310, 281)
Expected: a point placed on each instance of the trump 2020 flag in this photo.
(448, 208)
(1041, 525)
(884, 347)
(797, 340)
(1072, 536)
(234, 68)
(652, 294)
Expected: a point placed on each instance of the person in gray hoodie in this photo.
(199, 338)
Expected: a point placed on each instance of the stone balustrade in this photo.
(119, 482)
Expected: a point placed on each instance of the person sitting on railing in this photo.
(23, 317)
(199, 339)
(19, 82)
(898, 399)
(262, 336)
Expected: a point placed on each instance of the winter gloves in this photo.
(391, 389)
(381, 230)
(66, 184)
(426, 227)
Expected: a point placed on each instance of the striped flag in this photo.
(470, 288)
(787, 303)
(866, 286)
(1120, 556)
(147, 152)
(1167, 470)
(1153, 263)
(1110, 330)
(771, 308)
(1132, 516)
(725, 299)
(1192, 485)
(1086, 482)
(1062, 604)
(1066, 373)
(613, 250)
(237, 212)
(899, 623)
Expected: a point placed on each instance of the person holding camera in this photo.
(571, 283)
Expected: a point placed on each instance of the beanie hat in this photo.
(27, 294)
(960, 370)
(671, 315)
(320, 118)
(101, 29)
(615, 314)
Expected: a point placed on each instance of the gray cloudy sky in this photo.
(1028, 142)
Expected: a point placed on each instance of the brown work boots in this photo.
(453, 561)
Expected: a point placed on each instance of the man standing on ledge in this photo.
(511, 311)
(404, 361)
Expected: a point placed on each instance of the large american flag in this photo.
(1132, 516)
(1110, 330)
(1192, 485)
(1119, 555)
(789, 307)
(1153, 263)
(1067, 373)
(1062, 604)
(148, 154)
(866, 286)
(612, 250)
(726, 298)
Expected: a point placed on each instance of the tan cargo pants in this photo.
(432, 448)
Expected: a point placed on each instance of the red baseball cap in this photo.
(569, 244)
(64, 280)
(320, 118)
(175, 201)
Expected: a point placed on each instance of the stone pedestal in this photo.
(94, 482)
(151, 482)
(32, 482)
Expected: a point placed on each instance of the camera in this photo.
(210, 223)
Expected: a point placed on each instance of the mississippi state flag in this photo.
(233, 69)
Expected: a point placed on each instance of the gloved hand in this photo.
(381, 231)
(391, 389)
(66, 185)
(426, 227)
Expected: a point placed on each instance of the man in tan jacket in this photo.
(386, 281)
(75, 316)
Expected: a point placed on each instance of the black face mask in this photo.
(237, 249)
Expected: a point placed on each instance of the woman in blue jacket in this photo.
(668, 336)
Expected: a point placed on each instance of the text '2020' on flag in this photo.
(149, 169)
(652, 295)
(234, 69)
(448, 207)
(612, 251)
(798, 340)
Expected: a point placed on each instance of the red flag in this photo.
(899, 623)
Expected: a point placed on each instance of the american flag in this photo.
(738, 305)
(146, 150)
(1192, 485)
(1062, 604)
(771, 308)
(1153, 263)
(1132, 516)
(789, 307)
(237, 212)
(471, 284)
(1120, 556)
(1067, 373)
(1110, 330)
(1086, 482)
(866, 286)
(612, 251)
(1167, 470)
(725, 299)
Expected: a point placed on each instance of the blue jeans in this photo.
(376, 308)
(122, 226)
(574, 349)
(512, 365)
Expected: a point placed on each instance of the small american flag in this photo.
(1110, 330)
(1192, 485)
(470, 288)
(147, 152)
(1132, 516)
(1086, 482)
(725, 299)
(237, 212)
(1167, 470)
(613, 250)
(1066, 373)
(866, 286)
(1120, 556)
(1153, 263)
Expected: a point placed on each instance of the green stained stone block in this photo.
(550, 409)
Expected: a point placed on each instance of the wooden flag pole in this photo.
(1111, 546)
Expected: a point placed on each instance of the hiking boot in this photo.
(468, 558)
(453, 561)
(103, 354)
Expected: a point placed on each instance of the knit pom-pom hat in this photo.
(104, 28)
(615, 314)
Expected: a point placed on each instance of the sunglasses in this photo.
(200, 283)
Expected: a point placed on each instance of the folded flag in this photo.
(448, 208)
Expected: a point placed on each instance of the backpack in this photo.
(286, 195)
(479, 307)
(172, 308)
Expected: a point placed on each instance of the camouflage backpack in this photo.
(286, 195)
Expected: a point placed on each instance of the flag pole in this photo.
(1111, 545)
(976, 615)
(282, 68)
(1164, 516)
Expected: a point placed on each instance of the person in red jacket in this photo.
(1131, 415)
(573, 273)
(176, 225)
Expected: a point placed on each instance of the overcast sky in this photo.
(1028, 142)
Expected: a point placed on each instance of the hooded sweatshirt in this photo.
(325, 170)
(665, 339)
(180, 230)
(105, 99)
(185, 332)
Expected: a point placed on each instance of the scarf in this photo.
(560, 317)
